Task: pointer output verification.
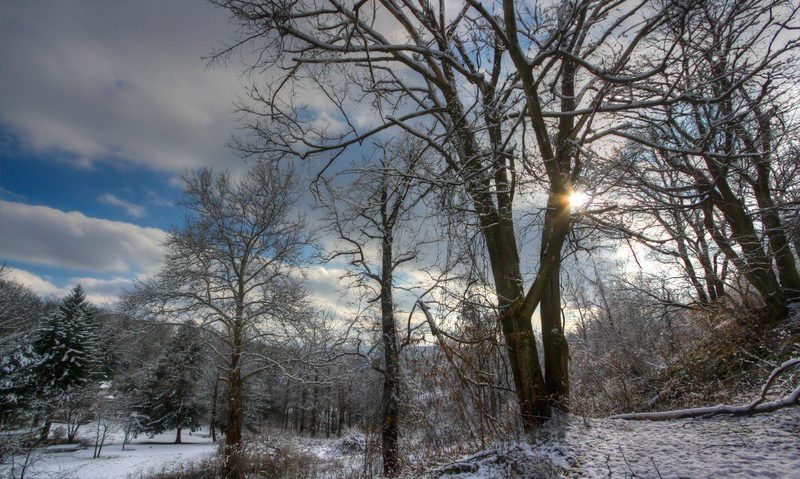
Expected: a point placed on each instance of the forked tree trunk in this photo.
(497, 226)
(517, 329)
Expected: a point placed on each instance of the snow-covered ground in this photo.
(765, 446)
(144, 456)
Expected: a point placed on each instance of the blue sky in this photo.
(103, 105)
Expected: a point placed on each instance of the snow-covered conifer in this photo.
(66, 347)
(170, 397)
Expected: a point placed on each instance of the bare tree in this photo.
(722, 163)
(230, 269)
(20, 311)
(475, 83)
(374, 213)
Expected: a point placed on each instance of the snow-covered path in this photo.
(765, 446)
(139, 459)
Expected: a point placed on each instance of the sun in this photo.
(579, 200)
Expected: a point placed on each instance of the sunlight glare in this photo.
(579, 200)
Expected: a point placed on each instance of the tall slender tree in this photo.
(375, 213)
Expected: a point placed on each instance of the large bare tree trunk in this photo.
(556, 351)
(517, 328)
(497, 226)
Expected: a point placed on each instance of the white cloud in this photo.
(39, 285)
(101, 291)
(98, 291)
(329, 291)
(101, 81)
(48, 236)
(130, 208)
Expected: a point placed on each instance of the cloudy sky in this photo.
(102, 106)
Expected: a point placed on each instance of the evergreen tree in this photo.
(16, 382)
(66, 347)
(170, 398)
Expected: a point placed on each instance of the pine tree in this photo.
(16, 382)
(66, 347)
(170, 398)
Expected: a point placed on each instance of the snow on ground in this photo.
(143, 457)
(764, 446)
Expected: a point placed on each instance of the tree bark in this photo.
(314, 421)
(556, 350)
(391, 377)
(340, 426)
(234, 467)
(214, 396)
(497, 226)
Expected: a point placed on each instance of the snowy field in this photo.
(765, 446)
(142, 457)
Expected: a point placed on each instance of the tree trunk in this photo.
(45, 431)
(497, 227)
(753, 265)
(556, 351)
(178, 436)
(285, 408)
(214, 397)
(234, 469)
(517, 328)
(340, 426)
(776, 235)
(314, 420)
(391, 377)
(302, 420)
